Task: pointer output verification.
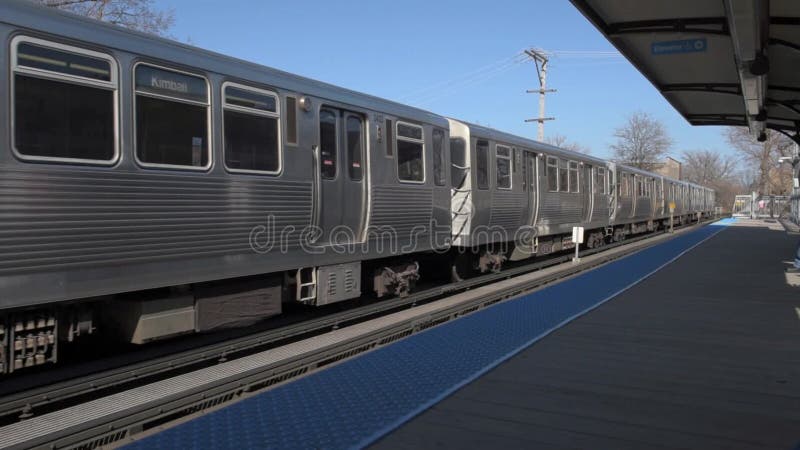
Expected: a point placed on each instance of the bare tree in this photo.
(641, 142)
(714, 170)
(706, 167)
(727, 190)
(138, 15)
(762, 158)
(561, 141)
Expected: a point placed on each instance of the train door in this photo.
(342, 175)
(531, 181)
(587, 189)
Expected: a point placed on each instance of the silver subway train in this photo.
(150, 189)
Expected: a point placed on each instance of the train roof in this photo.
(509, 138)
(650, 174)
(24, 13)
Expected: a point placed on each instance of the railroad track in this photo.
(27, 404)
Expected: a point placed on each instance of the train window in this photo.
(64, 103)
(610, 186)
(503, 160)
(171, 118)
(328, 143)
(389, 139)
(482, 160)
(438, 157)
(625, 185)
(410, 153)
(574, 177)
(250, 122)
(355, 146)
(291, 120)
(600, 181)
(458, 172)
(70, 61)
(552, 174)
(563, 176)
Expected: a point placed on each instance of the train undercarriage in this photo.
(30, 337)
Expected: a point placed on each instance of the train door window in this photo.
(410, 153)
(64, 103)
(563, 176)
(503, 161)
(171, 118)
(250, 123)
(439, 176)
(328, 143)
(482, 160)
(355, 146)
(552, 174)
(574, 181)
(600, 181)
(291, 120)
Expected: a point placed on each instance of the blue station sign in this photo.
(682, 46)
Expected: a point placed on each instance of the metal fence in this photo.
(765, 206)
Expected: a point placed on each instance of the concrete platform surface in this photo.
(704, 354)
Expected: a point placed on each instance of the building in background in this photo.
(671, 167)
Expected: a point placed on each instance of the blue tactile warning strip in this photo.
(356, 402)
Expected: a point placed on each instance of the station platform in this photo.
(691, 343)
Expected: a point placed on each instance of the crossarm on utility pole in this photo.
(540, 59)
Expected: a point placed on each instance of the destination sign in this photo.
(173, 84)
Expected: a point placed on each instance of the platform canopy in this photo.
(718, 62)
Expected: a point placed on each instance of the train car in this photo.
(166, 189)
(643, 202)
(514, 198)
(638, 196)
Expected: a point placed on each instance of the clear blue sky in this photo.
(446, 57)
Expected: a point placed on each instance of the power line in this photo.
(466, 78)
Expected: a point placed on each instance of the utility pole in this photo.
(539, 58)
